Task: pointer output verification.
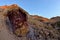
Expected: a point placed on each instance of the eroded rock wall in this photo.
(17, 24)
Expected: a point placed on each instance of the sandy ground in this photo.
(5, 34)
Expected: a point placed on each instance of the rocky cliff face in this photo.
(17, 24)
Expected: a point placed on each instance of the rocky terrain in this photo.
(17, 24)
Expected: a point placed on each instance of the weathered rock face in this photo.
(54, 19)
(13, 20)
(17, 24)
(18, 20)
(55, 22)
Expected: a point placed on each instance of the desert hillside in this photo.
(17, 24)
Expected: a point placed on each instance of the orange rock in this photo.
(11, 6)
(3, 7)
(40, 18)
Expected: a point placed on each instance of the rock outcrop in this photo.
(17, 24)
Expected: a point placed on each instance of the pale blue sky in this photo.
(45, 8)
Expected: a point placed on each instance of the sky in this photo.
(45, 8)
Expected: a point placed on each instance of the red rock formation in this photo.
(18, 19)
(29, 27)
